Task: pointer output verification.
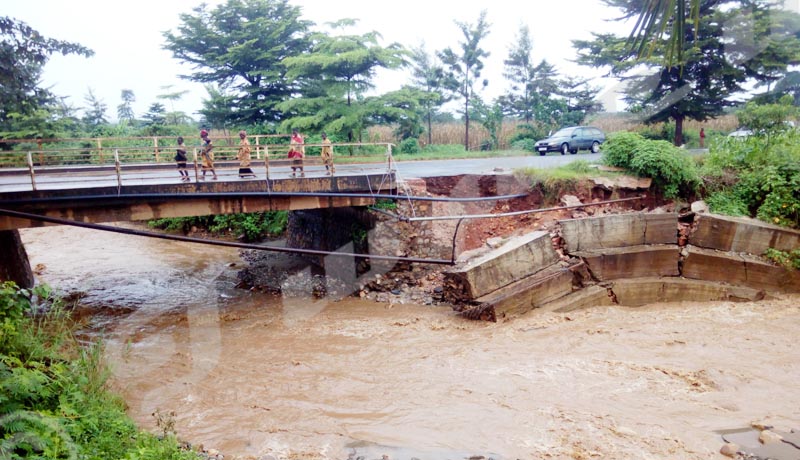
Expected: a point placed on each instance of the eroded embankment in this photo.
(628, 259)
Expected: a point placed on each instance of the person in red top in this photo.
(296, 152)
(702, 137)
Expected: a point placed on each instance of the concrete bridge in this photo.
(97, 185)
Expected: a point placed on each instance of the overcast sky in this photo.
(127, 39)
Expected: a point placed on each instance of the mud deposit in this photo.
(252, 374)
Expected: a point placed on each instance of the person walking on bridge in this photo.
(207, 155)
(296, 152)
(180, 159)
(327, 155)
(244, 156)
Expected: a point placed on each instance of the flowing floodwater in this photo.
(252, 374)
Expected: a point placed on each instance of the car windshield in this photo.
(566, 132)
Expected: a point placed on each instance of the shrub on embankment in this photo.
(252, 226)
(758, 176)
(53, 400)
(673, 171)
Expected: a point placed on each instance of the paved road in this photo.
(77, 177)
(433, 168)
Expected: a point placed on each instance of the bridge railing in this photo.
(91, 167)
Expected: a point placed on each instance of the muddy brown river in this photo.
(255, 375)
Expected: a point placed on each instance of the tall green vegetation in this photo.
(23, 54)
(124, 110)
(730, 44)
(463, 67)
(538, 97)
(250, 226)
(94, 114)
(427, 74)
(240, 46)
(534, 87)
(758, 176)
(335, 74)
(53, 398)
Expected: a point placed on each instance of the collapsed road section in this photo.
(629, 259)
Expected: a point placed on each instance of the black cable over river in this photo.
(295, 377)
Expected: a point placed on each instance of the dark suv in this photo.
(570, 140)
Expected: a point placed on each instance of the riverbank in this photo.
(254, 374)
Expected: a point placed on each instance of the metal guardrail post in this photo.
(196, 174)
(389, 158)
(266, 160)
(155, 146)
(118, 168)
(100, 149)
(30, 168)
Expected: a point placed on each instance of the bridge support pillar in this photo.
(14, 264)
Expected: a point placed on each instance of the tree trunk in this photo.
(14, 265)
(679, 130)
(466, 117)
(430, 127)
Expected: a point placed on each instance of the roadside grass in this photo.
(572, 178)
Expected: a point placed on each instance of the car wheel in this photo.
(595, 147)
(564, 149)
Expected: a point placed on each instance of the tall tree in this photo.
(124, 110)
(218, 109)
(714, 67)
(155, 118)
(336, 73)
(580, 98)
(427, 74)
(23, 54)
(520, 71)
(532, 85)
(173, 117)
(94, 114)
(464, 66)
(240, 46)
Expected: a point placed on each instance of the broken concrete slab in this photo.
(517, 258)
(620, 230)
(739, 234)
(532, 292)
(738, 270)
(772, 451)
(632, 262)
(644, 291)
(744, 437)
(588, 297)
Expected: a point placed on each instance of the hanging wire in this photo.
(233, 244)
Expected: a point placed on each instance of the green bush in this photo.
(618, 150)
(760, 177)
(410, 145)
(673, 171)
(728, 203)
(251, 226)
(528, 145)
